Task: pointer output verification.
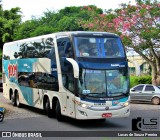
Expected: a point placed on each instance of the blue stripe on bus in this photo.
(114, 102)
(24, 65)
(89, 65)
(27, 94)
(93, 101)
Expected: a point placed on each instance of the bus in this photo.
(79, 74)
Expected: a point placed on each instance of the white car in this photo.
(145, 92)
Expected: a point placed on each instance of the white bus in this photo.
(83, 75)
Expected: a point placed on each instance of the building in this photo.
(137, 65)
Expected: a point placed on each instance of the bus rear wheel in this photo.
(48, 109)
(13, 99)
(17, 100)
(58, 112)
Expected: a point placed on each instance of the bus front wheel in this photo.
(58, 112)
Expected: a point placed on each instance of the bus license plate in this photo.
(107, 115)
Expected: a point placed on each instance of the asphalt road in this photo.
(31, 119)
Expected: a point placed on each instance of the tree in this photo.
(51, 21)
(9, 22)
(98, 21)
(139, 27)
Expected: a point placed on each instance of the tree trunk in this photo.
(158, 74)
(155, 75)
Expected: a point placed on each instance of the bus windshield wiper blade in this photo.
(126, 94)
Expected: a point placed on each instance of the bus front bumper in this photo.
(84, 113)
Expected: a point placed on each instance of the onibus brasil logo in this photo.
(12, 70)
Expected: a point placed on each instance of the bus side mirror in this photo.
(75, 67)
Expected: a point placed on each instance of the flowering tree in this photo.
(139, 27)
(98, 21)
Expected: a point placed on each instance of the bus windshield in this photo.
(98, 47)
(103, 83)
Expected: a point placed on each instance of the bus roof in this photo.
(69, 33)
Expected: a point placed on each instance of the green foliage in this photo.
(51, 21)
(135, 80)
(0, 63)
(9, 22)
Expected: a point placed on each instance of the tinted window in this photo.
(38, 48)
(139, 88)
(38, 80)
(64, 47)
(98, 47)
(68, 77)
(149, 88)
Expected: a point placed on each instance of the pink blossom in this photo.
(85, 7)
(89, 9)
(143, 6)
(91, 25)
(102, 15)
(148, 7)
(110, 25)
(123, 12)
(126, 26)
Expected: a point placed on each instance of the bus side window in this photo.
(68, 81)
(68, 50)
(68, 77)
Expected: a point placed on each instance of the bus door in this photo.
(70, 104)
(66, 51)
(68, 82)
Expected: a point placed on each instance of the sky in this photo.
(36, 8)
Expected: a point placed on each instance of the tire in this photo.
(1, 116)
(58, 111)
(17, 101)
(48, 109)
(13, 99)
(155, 100)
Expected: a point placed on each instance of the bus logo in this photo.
(12, 70)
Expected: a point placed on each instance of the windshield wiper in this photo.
(126, 94)
(94, 94)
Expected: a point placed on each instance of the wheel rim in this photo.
(17, 100)
(47, 107)
(12, 98)
(156, 101)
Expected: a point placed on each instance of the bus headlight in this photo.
(125, 104)
(81, 104)
(84, 105)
